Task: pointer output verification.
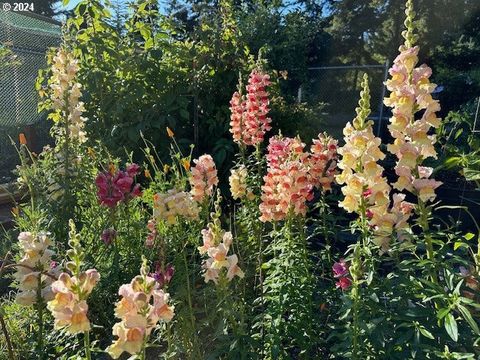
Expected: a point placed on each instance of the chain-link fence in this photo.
(28, 36)
(338, 87)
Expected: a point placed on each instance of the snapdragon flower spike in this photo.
(66, 93)
(362, 176)
(238, 183)
(152, 233)
(288, 184)
(216, 245)
(323, 161)
(173, 204)
(203, 178)
(249, 119)
(69, 306)
(114, 187)
(142, 306)
(35, 264)
(413, 116)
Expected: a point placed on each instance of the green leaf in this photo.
(65, 2)
(468, 317)
(426, 333)
(471, 174)
(459, 244)
(468, 236)
(451, 327)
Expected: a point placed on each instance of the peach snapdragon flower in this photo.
(287, 184)
(238, 183)
(249, 119)
(216, 245)
(142, 306)
(203, 178)
(33, 267)
(173, 204)
(323, 161)
(365, 189)
(413, 116)
(69, 306)
(66, 93)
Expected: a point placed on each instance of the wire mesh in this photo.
(338, 88)
(28, 36)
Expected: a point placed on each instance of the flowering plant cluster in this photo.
(292, 174)
(116, 186)
(169, 206)
(66, 94)
(334, 255)
(216, 245)
(411, 93)
(203, 178)
(142, 306)
(35, 271)
(69, 306)
(249, 114)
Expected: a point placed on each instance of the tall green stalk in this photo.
(195, 350)
(423, 222)
(86, 341)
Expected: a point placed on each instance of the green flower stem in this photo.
(40, 307)
(40, 349)
(423, 221)
(323, 210)
(142, 355)
(355, 272)
(86, 340)
(195, 350)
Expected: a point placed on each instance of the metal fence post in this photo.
(380, 111)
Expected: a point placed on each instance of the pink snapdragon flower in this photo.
(340, 268)
(163, 276)
(115, 187)
(152, 233)
(413, 116)
(340, 272)
(216, 245)
(288, 184)
(249, 119)
(203, 178)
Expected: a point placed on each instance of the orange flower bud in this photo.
(147, 174)
(22, 139)
(170, 132)
(111, 168)
(186, 164)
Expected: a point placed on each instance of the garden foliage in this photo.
(313, 253)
